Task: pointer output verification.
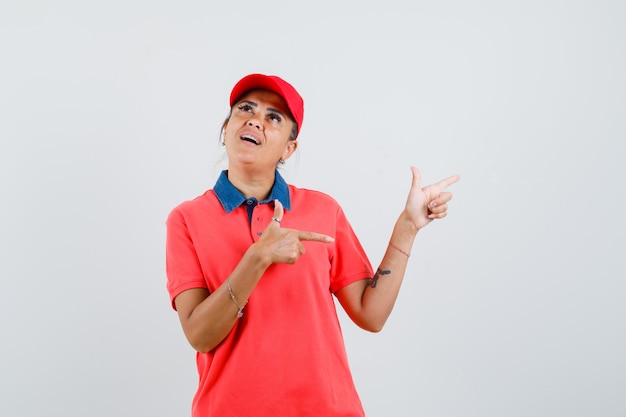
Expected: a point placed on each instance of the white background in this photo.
(514, 305)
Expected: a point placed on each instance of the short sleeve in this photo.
(182, 265)
(350, 262)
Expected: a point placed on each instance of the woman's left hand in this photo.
(428, 203)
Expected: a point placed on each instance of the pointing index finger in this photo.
(445, 183)
(315, 237)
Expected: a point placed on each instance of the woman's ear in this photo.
(223, 132)
(292, 145)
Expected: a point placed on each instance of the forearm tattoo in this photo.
(379, 272)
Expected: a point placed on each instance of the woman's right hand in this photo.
(281, 245)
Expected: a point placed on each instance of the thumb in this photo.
(278, 210)
(417, 177)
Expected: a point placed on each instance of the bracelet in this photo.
(399, 250)
(232, 296)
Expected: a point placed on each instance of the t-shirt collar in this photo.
(231, 198)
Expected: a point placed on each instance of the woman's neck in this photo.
(257, 186)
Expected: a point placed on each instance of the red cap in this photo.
(275, 84)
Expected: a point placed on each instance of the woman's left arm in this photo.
(369, 302)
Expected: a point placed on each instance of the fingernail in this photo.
(432, 204)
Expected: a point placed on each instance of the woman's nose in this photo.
(256, 121)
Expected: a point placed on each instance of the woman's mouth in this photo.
(250, 139)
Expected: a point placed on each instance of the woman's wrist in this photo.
(403, 235)
(258, 257)
(406, 226)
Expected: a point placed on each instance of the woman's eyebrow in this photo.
(256, 105)
(276, 111)
(252, 103)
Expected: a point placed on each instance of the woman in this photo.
(253, 264)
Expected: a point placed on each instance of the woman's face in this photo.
(257, 132)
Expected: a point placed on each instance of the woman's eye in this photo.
(275, 117)
(245, 107)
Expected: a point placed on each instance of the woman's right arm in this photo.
(208, 318)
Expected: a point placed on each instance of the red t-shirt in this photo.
(286, 355)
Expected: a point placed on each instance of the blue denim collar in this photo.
(231, 198)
